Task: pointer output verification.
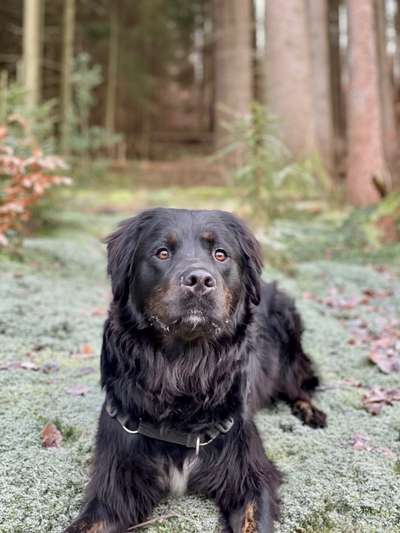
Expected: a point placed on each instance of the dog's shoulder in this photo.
(277, 307)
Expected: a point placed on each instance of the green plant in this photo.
(26, 126)
(85, 140)
(266, 172)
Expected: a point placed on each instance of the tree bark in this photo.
(233, 65)
(320, 66)
(338, 98)
(112, 70)
(366, 160)
(32, 50)
(288, 74)
(390, 134)
(67, 67)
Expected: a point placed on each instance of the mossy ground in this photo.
(52, 303)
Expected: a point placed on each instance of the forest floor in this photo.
(345, 478)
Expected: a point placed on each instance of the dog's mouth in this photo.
(194, 323)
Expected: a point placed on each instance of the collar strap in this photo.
(153, 431)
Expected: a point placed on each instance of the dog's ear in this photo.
(252, 258)
(121, 249)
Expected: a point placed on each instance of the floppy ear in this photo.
(121, 248)
(252, 257)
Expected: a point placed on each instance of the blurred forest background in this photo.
(300, 96)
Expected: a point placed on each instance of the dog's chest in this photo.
(178, 478)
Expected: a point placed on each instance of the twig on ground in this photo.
(161, 518)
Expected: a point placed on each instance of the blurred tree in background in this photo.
(155, 80)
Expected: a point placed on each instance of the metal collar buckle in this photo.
(199, 443)
(130, 431)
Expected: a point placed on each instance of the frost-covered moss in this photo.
(49, 307)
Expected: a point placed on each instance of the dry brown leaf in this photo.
(388, 362)
(359, 441)
(376, 398)
(78, 390)
(51, 436)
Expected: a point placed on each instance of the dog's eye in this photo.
(220, 255)
(162, 254)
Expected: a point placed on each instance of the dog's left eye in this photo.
(220, 255)
(163, 254)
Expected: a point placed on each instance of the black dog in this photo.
(194, 344)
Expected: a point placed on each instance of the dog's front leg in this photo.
(247, 483)
(125, 484)
(254, 516)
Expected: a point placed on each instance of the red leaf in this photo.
(85, 352)
(51, 436)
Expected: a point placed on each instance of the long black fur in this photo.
(187, 385)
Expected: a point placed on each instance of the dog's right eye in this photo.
(162, 254)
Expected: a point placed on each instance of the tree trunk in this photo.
(366, 160)
(32, 51)
(288, 74)
(233, 64)
(390, 134)
(320, 66)
(338, 99)
(112, 71)
(67, 66)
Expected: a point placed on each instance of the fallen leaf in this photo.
(389, 454)
(85, 370)
(352, 382)
(86, 352)
(359, 441)
(376, 398)
(51, 436)
(77, 390)
(387, 362)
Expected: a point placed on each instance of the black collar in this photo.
(154, 431)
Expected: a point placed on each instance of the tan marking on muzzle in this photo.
(228, 300)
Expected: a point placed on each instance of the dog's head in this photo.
(184, 272)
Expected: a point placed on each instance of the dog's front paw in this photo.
(309, 414)
(83, 526)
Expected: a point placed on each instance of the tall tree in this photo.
(233, 64)
(390, 134)
(336, 70)
(112, 69)
(321, 82)
(67, 66)
(367, 172)
(32, 50)
(288, 74)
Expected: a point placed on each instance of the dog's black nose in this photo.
(199, 281)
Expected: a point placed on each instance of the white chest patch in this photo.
(178, 479)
